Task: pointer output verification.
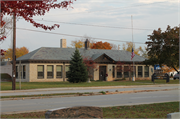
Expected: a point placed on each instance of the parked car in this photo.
(176, 76)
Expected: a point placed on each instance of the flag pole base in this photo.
(133, 78)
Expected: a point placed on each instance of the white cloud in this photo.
(154, 1)
(102, 13)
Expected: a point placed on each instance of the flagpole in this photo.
(133, 77)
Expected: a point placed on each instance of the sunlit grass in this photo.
(159, 110)
(37, 85)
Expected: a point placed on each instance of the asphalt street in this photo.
(31, 105)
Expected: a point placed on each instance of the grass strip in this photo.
(41, 95)
(157, 110)
(19, 96)
(38, 85)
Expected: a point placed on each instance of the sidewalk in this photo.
(82, 88)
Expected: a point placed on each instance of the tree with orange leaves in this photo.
(167, 69)
(79, 43)
(101, 45)
(19, 52)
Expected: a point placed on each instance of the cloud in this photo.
(154, 1)
(147, 14)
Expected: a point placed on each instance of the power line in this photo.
(91, 37)
(93, 25)
(76, 35)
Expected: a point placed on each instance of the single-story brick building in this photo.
(48, 64)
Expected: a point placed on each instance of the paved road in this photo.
(86, 89)
(15, 106)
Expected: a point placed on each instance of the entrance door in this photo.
(102, 73)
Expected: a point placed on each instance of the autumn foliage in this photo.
(101, 45)
(19, 52)
(90, 64)
(167, 69)
(163, 49)
(2, 52)
(120, 68)
(27, 9)
(129, 46)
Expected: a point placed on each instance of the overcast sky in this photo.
(104, 20)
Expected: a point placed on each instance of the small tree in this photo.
(120, 68)
(77, 70)
(90, 65)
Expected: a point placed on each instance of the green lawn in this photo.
(159, 110)
(158, 81)
(36, 85)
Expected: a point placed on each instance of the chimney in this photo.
(87, 44)
(63, 43)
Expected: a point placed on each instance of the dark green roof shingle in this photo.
(48, 53)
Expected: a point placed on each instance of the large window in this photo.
(139, 71)
(67, 70)
(40, 71)
(58, 71)
(133, 70)
(146, 71)
(119, 71)
(126, 71)
(49, 71)
(113, 72)
(24, 72)
(17, 71)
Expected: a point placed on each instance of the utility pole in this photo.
(14, 53)
(133, 76)
(179, 50)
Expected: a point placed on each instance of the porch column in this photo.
(123, 71)
(143, 76)
(64, 72)
(137, 71)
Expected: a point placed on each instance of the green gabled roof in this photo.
(48, 53)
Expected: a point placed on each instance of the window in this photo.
(113, 72)
(17, 71)
(49, 71)
(58, 71)
(119, 71)
(24, 72)
(133, 70)
(146, 71)
(139, 71)
(151, 70)
(126, 71)
(67, 69)
(40, 71)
